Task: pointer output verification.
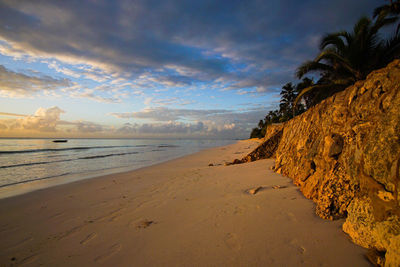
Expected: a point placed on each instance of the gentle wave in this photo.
(66, 160)
(60, 175)
(162, 145)
(62, 149)
(108, 155)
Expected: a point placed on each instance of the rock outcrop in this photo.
(344, 153)
(267, 148)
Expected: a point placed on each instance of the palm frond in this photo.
(383, 21)
(362, 24)
(330, 54)
(332, 39)
(379, 11)
(302, 93)
(392, 9)
(310, 66)
(347, 36)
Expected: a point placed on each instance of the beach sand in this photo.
(178, 213)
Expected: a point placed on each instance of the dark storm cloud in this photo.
(244, 43)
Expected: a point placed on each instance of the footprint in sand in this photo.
(254, 190)
(88, 238)
(28, 260)
(110, 252)
(231, 242)
(142, 224)
(22, 242)
(295, 244)
(238, 210)
(70, 232)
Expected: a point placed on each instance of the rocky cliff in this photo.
(267, 148)
(344, 154)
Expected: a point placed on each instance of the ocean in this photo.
(31, 164)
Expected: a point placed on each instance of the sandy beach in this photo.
(178, 213)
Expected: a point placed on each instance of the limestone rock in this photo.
(267, 148)
(393, 252)
(365, 230)
(254, 191)
(344, 153)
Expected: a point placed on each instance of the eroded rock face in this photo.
(267, 148)
(344, 153)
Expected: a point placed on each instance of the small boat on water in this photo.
(60, 141)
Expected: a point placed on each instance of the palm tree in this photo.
(308, 98)
(391, 10)
(288, 95)
(347, 57)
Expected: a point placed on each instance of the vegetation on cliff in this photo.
(285, 112)
(344, 58)
(391, 11)
(347, 57)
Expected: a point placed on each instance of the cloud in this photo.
(14, 84)
(167, 114)
(158, 122)
(176, 43)
(54, 65)
(11, 114)
(88, 127)
(90, 94)
(180, 129)
(44, 120)
(47, 120)
(162, 128)
(151, 101)
(218, 122)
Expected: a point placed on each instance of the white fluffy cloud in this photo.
(48, 120)
(44, 120)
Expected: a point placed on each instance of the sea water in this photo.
(31, 164)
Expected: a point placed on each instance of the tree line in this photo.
(344, 58)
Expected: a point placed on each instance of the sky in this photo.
(155, 68)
